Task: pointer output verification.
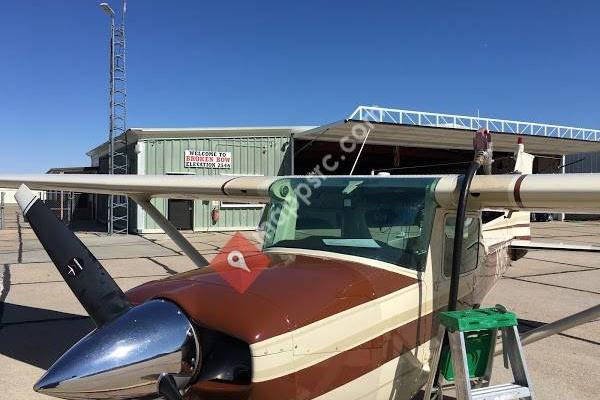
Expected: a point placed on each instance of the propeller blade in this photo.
(97, 292)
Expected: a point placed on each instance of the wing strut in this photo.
(553, 328)
(563, 324)
(171, 231)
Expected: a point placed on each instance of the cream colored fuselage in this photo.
(403, 376)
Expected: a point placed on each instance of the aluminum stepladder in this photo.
(468, 384)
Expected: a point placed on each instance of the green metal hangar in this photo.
(370, 140)
(200, 151)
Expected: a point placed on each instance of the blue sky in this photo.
(236, 63)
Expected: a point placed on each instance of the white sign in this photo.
(207, 159)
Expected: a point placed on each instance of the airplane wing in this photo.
(248, 189)
(535, 245)
(573, 193)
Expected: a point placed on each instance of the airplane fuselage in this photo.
(323, 325)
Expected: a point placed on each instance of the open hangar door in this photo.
(328, 158)
(413, 149)
(332, 158)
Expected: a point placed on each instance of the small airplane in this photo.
(359, 268)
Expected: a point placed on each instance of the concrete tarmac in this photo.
(548, 285)
(40, 318)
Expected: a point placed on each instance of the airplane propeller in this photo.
(88, 280)
(135, 352)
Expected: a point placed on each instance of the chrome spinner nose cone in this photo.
(125, 358)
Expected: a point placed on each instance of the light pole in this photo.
(109, 11)
(118, 207)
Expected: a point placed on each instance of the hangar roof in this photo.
(431, 130)
(160, 133)
(135, 134)
(445, 138)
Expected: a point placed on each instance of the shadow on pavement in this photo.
(87, 226)
(40, 336)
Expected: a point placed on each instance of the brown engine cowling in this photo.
(276, 303)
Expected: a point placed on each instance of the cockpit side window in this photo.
(470, 255)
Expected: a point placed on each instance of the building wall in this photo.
(9, 195)
(582, 163)
(250, 156)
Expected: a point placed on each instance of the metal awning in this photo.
(409, 135)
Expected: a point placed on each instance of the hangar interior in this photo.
(404, 150)
(397, 160)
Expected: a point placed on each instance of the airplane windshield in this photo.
(387, 219)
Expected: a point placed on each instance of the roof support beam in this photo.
(449, 121)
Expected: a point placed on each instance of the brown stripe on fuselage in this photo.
(216, 390)
(344, 367)
(517, 190)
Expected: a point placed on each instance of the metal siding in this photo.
(590, 163)
(168, 158)
(251, 155)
